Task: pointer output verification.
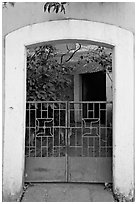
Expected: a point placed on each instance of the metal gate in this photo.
(68, 141)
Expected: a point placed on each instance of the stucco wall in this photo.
(115, 13)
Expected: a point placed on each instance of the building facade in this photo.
(105, 24)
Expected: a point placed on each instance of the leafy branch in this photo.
(46, 78)
(99, 55)
(54, 7)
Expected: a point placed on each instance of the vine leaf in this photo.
(57, 7)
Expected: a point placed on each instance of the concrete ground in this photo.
(67, 192)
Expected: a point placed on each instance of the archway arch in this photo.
(15, 95)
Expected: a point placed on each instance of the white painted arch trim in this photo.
(15, 96)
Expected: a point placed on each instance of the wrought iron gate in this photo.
(68, 141)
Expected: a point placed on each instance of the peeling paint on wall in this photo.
(121, 197)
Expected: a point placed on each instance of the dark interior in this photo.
(94, 86)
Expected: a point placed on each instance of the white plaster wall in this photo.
(123, 148)
(115, 13)
(14, 132)
(123, 91)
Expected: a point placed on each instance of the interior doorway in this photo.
(94, 86)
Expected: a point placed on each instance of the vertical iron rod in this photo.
(66, 137)
(29, 130)
(35, 130)
(106, 129)
(99, 130)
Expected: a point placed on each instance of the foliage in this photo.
(103, 58)
(4, 4)
(54, 7)
(99, 55)
(46, 77)
(48, 6)
(96, 58)
(49, 77)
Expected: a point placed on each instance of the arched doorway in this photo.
(15, 104)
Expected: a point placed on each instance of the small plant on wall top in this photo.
(48, 6)
(55, 7)
(4, 4)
